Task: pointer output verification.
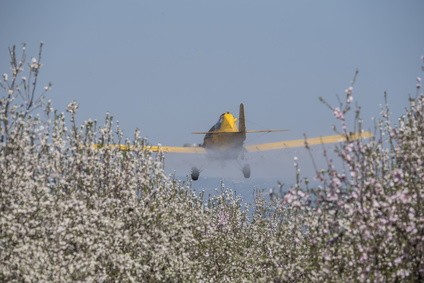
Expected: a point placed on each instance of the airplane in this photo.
(225, 141)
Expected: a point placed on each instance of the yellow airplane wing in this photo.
(301, 142)
(155, 148)
(178, 149)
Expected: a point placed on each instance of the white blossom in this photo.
(74, 213)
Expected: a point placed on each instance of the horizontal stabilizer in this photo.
(301, 142)
(267, 131)
(216, 132)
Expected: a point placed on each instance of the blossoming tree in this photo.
(70, 212)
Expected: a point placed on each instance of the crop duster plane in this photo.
(225, 141)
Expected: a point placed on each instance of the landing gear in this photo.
(195, 173)
(246, 171)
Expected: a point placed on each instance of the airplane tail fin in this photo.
(242, 121)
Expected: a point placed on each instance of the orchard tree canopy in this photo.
(70, 212)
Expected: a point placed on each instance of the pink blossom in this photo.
(349, 91)
(336, 181)
(397, 175)
(338, 114)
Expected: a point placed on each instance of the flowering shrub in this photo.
(70, 212)
(369, 215)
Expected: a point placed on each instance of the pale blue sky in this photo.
(172, 67)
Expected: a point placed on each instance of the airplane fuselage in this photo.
(224, 145)
(225, 140)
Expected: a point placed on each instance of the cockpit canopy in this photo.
(219, 123)
(226, 122)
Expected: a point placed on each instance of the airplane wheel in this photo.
(246, 171)
(195, 173)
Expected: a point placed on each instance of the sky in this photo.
(171, 68)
